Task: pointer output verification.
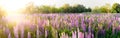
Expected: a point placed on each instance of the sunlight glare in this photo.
(12, 5)
(14, 17)
(12, 8)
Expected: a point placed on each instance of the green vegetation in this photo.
(66, 8)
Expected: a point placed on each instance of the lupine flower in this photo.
(118, 28)
(6, 30)
(80, 35)
(83, 26)
(89, 27)
(37, 32)
(64, 35)
(110, 24)
(88, 35)
(74, 35)
(9, 36)
(16, 32)
(46, 33)
(22, 32)
(29, 35)
(101, 33)
(89, 23)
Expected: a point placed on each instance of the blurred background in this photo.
(59, 19)
(10, 7)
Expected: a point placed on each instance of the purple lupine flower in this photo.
(103, 32)
(89, 35)
(9, 36)
(32, 27)
(54, 23)
(89, 27)
(29, 35)
(83, 26)
(42, 30)
(110, 24)
(92, 35)
(74, 21)
(99, 20)
(77, 23)
(113, 30)
(6, 30)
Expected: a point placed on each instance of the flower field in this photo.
(61, 26)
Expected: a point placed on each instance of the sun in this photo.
(12, 7)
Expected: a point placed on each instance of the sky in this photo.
(15, 4)
(12, 6)
(87, 3)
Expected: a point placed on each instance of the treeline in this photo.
(115, 8)
(66, 8)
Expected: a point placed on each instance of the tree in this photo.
(79, 8)
(46, 9)
(65, 8)
(88, 10)
(116, 8)
(103, 9)
(30, 8)
(96, 10)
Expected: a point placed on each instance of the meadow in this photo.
(62, 26)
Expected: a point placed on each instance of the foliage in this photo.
(66, 8)
(64, 26)
(103, 9)
(116, 8)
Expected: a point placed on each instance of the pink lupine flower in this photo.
(74, 35)
(80, 35)
(9, 36)
(37, 32)
(16, 32)
(22, 32)
(46, 33)
(29, 35)
(64, 36)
